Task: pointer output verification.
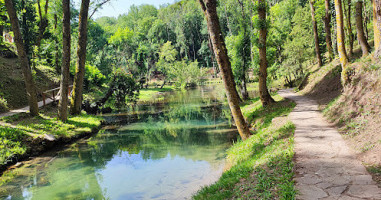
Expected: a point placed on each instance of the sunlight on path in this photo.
(25, 109)
(325, 167)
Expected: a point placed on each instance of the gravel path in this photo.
(325, 168)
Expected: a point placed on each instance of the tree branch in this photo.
(98, 6)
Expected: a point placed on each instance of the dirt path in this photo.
(325, 166)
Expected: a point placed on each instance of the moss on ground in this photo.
(262, 166)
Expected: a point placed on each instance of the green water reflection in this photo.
(169, 152)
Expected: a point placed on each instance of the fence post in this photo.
(43, 98)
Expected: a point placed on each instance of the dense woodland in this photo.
(184, 44)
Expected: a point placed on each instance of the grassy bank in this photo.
(261, 166)
(151, 94)
(20, 132)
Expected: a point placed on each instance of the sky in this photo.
(118, 7)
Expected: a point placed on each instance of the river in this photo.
(157, 151)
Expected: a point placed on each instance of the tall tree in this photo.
(263, 91)
(43, 21)
(349, 26)
(76, 100)
(246, 51)
(316, 34)
(27, 72)
(341, 41)
(376, 28)
(214, 29)
(327, 27)
(65, 73)
(360, 29)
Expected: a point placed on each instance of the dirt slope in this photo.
(12, 87)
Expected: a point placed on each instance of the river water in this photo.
(158, 151)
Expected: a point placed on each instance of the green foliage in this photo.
(3, 102)
(10, 143)
(183, 72)
(298, 49)
(122, 36)
(27, 17)
(125, 87)
(238, 47)
(93, 75)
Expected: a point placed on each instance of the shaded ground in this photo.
(12, 87)
(325, 168)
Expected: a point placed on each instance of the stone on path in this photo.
(325, 167)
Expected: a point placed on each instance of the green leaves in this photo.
(122, 36)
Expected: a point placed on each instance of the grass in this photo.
(11, 143)
(262, 166)
(18, 129)
(260, 117)
(47, 123)
(150, 94)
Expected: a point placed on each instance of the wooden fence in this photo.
(54, 94)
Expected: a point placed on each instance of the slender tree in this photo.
(347, 13)
(218, 43)
(376, 29)
(245, 52)
(341, 41)
(76, 100)
(327, 27)
(360, 29)
(27, 72)
(263, 91)
(316, 34)
(43, 21)
(65, 73)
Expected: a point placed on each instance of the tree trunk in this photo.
(76, 101)
(243, 89)
(43, 22)
(316, 34)
(56, 60)
(263, 91)
(27, 72)
(365, 22)
(65, 74)
(376, 29)
(341, 41)
(360, 29)
(210, 11)
(349, 28)
(327, 26)
(244, 51)
(161, 87)
(227, 20)
(215, 70)
(377, 13)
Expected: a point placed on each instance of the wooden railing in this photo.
(54, 94)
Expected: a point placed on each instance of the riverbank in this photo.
(262, 166)
(23, 136)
